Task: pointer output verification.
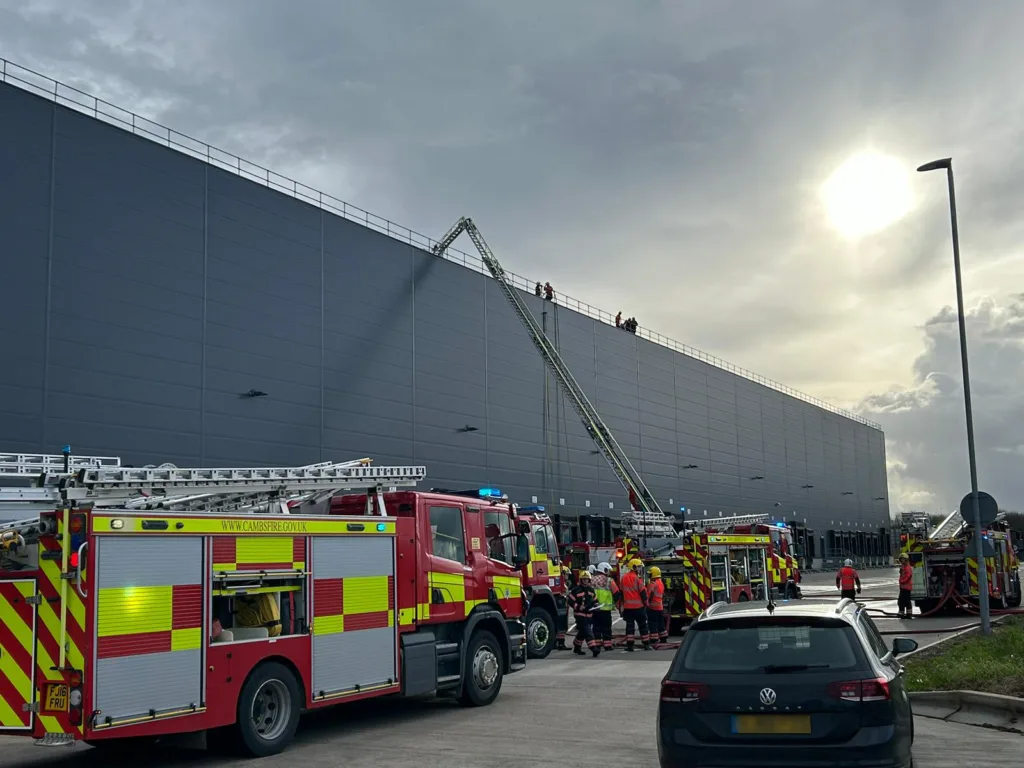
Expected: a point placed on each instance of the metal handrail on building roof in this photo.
(74, 98)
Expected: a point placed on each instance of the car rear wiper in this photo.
(773, 669)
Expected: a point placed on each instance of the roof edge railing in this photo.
(74, 98)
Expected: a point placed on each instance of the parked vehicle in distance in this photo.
(793, 684)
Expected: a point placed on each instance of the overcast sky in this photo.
(669, 160)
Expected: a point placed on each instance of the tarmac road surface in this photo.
(545, 715)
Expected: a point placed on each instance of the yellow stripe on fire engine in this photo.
(186, 639)
(17, 677)
(365, 594)
(406, 616)
(451, 585)
(328, 625)
(263, 549)
(737, 539)
(507, 586)
(257, 525)
(134, 610)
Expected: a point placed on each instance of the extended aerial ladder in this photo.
(62, 481)
(646, 518)
(950, 528)
(713, 523)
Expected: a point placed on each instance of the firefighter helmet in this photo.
(604, 568)
(584, 575)
(636, 563)
(848, 563)
(903, 556)
(655, 572)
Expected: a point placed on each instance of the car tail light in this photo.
(682, 692)
(860, 690)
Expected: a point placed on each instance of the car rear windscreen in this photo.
(768, 645)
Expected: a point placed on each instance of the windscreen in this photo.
(768, 646)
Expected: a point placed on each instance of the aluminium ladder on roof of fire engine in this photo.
(950, 528)
(727, 522)
(218, 490)
(655, 522)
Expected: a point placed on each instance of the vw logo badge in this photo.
(767, 696)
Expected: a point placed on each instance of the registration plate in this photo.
(56, 698)
(771, 724)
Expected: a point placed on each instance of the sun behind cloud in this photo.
(866, 194)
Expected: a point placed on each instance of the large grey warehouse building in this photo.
(148, 292)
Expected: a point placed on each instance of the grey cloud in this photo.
(925, 424)
(663, 159)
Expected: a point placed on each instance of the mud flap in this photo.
(17, 654)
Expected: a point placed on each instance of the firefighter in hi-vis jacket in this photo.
(583, 600)
(634, 605)
(656, 607)
(607, 595)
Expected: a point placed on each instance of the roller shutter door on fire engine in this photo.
(149, 625)
(354, 642)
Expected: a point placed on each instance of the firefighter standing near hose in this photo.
(905, 608)
(634, 605)
(848, 581)
(607, 592)
(656, 607)
(583, 600)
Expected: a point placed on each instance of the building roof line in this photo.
(68, 96)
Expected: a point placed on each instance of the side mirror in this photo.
(901, 645)
(522, 549)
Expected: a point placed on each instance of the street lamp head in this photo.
(935, 165)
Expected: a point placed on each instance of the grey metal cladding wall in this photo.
(174, 287)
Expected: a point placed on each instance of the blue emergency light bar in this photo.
(537, 508)
(490, 493)
(781, 525)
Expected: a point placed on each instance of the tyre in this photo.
(483, 670)
(540, 633)
(268, 711)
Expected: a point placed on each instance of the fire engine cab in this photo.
(137, 603)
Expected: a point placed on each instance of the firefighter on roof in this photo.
(905, 608)
(583, 600)
(607, 596)
(656, 607)
(634, 605)
(848, 581)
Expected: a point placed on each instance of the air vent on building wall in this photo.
(253, 393)
(467, 428)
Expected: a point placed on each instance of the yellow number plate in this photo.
(771, 724)
(56, 698)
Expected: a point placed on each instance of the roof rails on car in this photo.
(843, 604)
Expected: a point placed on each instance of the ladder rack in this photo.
(728, 522)
(950, 528)
(640, 497)
(218, 490)
(36, 463)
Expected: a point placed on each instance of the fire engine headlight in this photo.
(75, 697)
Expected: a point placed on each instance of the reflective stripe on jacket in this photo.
(847, 578)
(634, 594)
(656, 595)
(906, 576)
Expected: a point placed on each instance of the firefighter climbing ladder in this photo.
(653, 521)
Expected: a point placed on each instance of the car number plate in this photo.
(771, 724)
(56, 698)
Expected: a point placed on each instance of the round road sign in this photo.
(986, 506)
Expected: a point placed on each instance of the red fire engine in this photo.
(138, 603)
(783, 568)
(547, 619)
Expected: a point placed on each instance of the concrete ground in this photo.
(545, 714)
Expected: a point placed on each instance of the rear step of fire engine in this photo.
(641, 498)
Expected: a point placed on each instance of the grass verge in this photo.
(974, 663)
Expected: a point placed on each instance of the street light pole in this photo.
(979, 550)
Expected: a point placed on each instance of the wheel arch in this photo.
(288, 664)
(494, 622)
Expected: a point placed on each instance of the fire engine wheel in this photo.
(268, 710)
(483, 672)
(540, 633)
